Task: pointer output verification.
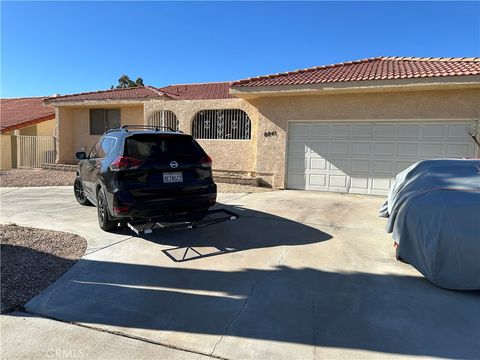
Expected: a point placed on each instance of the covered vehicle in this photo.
(433, 212)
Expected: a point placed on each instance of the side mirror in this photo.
(81, 155)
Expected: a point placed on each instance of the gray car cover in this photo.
(433, 211)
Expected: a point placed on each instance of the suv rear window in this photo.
(159, 147)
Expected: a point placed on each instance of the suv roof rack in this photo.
(125, 128)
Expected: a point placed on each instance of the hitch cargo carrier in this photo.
(216, 216)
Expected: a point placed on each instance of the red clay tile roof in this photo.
(21, 112)
(174, 92)
(138, 93)
(380, 68)
(204, 91)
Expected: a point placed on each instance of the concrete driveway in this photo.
(301, 275)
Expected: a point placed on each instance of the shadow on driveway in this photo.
(253, 230)
(378, 312)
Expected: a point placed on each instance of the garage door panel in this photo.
(339, 148)
(340, 131)
(384, 131)
(318, 164)
(402, 165)
(383, 149)
(408, 131)
(296, 180)
(300, 131)
(317, 180)
(359, 185)
(337, 181)
(382, 167)
(320, 131)
(407, 149)
(318, 148)
(362, 131)
(338, 165)
(298, 148)
(459, 150)
(457, 131)
(363, 148)
(433, 131)
(432, 150)
(381, 183)
(298, 164)
(364, 157)
(360, 166)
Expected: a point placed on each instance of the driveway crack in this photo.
(94, 250)
(118, 333)
(239, 197)
(236, 316)
(282, 257)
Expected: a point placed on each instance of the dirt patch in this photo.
(35, 177)
(32, 259)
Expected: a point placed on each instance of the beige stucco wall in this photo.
(28, 131)
(73, 128)
(276, 112)
(234, 155)
(9, 147)
(266, 155)
(46, 128)
(6, 152)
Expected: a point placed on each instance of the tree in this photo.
(125, 82)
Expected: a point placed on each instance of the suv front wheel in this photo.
(102, 212)
(79, 194)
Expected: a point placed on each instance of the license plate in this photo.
(172, 177)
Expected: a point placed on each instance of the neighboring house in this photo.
(348, 127)
(23, 116)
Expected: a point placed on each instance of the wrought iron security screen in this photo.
(165, 118)
(231, 124)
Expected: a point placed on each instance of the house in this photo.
(23, 117)
(348, 127)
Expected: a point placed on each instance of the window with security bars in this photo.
(164, 118)
(228, 124)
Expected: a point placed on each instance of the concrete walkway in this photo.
(30, 337)
(301, 275)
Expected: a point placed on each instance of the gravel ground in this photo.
(32, 259)
(36, 177)
(235, 188)
(39, 177)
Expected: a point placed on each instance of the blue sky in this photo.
(68, 47)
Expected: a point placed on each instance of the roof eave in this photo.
(365, 86)
(28, 123)
(63, 102)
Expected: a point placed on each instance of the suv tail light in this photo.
(206, 161)
(125, 163)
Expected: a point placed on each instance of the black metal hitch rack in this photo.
(216, 216)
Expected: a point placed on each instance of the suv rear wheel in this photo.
(79, 194)
(102, 212)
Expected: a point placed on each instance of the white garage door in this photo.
(364, 158)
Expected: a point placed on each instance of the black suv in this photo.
(148, 173)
